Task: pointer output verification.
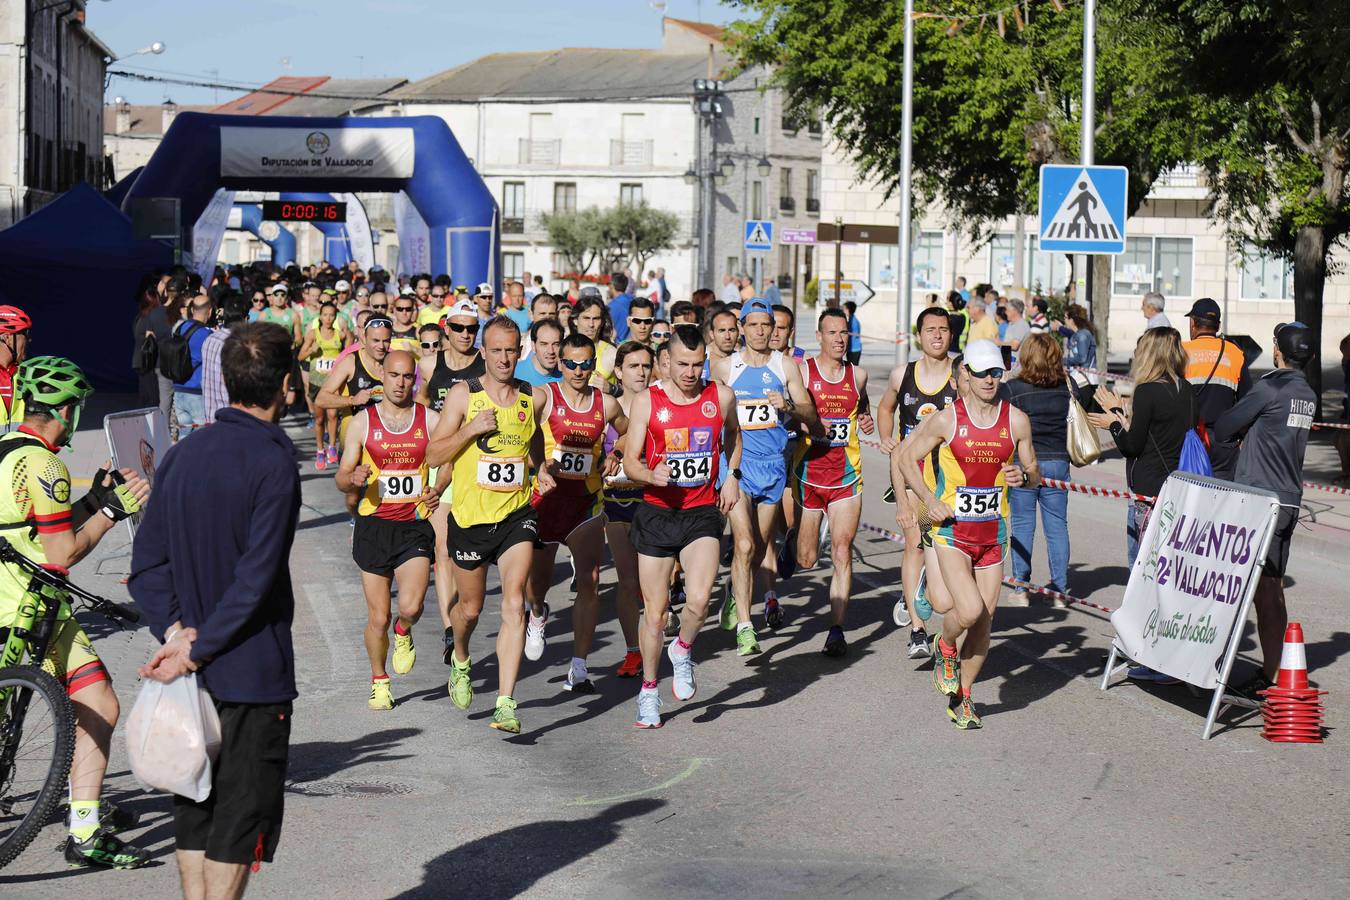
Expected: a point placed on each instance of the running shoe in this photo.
(900, 613)
(889, 496)
(649, 709)
(320, 460)
(922, 608)
(449, 650)
(534, 635)
(631, 667)
(103, 849)
(309, 422)
(746, 644)
(946, 669)
(1018, 599)
(1144, 673)
(405, 654)
(787, 555)
(672, 623)
(682, 686)
(962, 712)
(835, 644)
(111, 817)
(1247, 690)
(332, 454)
(461, 690)
(380, 695)
(773, 613)
(578, 681)
(729, 613)
(504, 717)
(918, 644)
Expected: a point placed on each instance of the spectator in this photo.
(958, 318)
(152, 319)
(982, 324)
(516, 310)
(1080, 346)
(224, 606)
(1152, 308)
(528, 286)
(619, 301)
(731, 289)
(189, 406)
(233, 312)
(1217, 370)
(747, 285)
(1042, 392)
(772, 295)
(854, 333)
(1018, 329)
(1038, 321)
(961, 288)
(1150, 437)
(573, 290)
(1274, 419)
(1343, 435)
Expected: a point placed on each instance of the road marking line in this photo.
(693, 767)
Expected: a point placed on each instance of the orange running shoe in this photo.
(631, 667)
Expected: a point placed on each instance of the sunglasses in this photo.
(660, 335)
(378, 322)
(404, 308)
(436, 295)
(643, 320)
(430, 345)
(584, 364)
(460, 329)
(985, 373)
(382, 308)
(259, 299)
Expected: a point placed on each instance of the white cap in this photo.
(279, 288)
(463, 308)
(485, 288)
(342, 286)
(980, 356)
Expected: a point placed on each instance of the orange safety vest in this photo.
(1208, 354)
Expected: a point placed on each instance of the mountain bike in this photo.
(37, 720)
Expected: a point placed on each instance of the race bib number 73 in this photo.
(754, 415)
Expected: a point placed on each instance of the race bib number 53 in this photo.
(501, 474)
(837, 431)
(977, 504)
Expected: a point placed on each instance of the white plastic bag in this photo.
(173, 737)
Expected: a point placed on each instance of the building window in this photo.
(1162, 264)
(1265, 276)
(733, 265)
(1002, 259)
(757, 200)
(812, 191)
(564, 197)
(513, 266)
(814, 127)
(630, 195)
(560, 267)
(883, 263)
(1046, 272)
(786, 202)
(513, 207)
(756, 124)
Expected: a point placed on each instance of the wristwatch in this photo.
(736, 473)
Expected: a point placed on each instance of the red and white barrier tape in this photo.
(888, 535)
(1343, 426)
(1041, 589)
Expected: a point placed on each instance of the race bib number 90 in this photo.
(501, 474)
(977, 504)
(573, 463)
(837, 431)
(754, 415)
(400, 487)
(691, 470)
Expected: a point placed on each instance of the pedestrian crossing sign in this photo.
(758, 234)
(1083, 209)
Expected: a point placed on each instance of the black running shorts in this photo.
(477, 545)
(1277, 557)
(660, 532)
(380, 546)
(240, 822)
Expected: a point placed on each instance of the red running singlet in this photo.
(688, 438)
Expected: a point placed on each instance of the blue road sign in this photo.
(758, 235)
(1083, 209)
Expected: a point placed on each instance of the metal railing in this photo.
(787, 204)
(1187, 175)
(813, 204)
(539, 153)
(630, 154)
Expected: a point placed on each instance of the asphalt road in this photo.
(788, 773)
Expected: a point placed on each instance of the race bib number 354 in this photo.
(978, 504)
(501, 474)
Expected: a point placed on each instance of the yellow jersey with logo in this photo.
(492, 475)
(398, 467)
(34, 500)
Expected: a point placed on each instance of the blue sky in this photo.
(254, 41)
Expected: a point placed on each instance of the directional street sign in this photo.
(797, 236)
(1083, 209)
(758, 235)
(857, 291)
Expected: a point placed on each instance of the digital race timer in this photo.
(303, 211)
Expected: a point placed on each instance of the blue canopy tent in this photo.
(117, 192)
(74, 266)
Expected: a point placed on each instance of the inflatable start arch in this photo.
(418, 155)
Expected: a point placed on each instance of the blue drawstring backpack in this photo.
(1194, 457)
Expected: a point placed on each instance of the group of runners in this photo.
(459, 455)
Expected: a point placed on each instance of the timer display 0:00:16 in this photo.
(298, 211)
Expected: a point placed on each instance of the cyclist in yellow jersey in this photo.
(490, 434)
(40, 522)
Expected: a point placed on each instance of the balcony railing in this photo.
(813, 204)
(513, 225)
(787, 204)
(630, 154)
(1183, 176)
(539, 153)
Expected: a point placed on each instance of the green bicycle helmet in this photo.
(50, 382)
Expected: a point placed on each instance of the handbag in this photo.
(1083, 444)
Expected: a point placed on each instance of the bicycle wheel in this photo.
(37, 742)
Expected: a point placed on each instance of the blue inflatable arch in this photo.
(282, 246)
(202, 153)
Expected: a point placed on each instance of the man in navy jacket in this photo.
(210, 570)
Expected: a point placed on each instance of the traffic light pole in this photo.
(906, 243)
(1087, 150)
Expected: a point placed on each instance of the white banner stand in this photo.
(1197, 528)
(138, 440)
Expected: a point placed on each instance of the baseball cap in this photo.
(342, 286)
(376, 268)
(589, 290)
(463, 308)
(1204, 308)
(484, 288)
(406, 291)
(329, 292)
(980, 356)
(1295, 341)
(756, 305)
(309, 284)
(279, 288)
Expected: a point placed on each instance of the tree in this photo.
(576, 235)
(992, 101)
(612, 237)
(639, 233)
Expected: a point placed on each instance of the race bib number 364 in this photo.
(691, 470)
(501, 474)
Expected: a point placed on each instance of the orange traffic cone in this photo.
(1291, 710)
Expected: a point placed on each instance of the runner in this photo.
(356, 381)
(916, 390)
(660, 333)
(977, 438)
(634, 363)
(14, 326)
(828, 467)
(724, 331)
(785, 333)
(384, 465)
(280, 313)
(459, 361)
(641, 320)
(768, 390)
(783, 340)
(676, 434)
(40, 522)
(541, 366)
(591, 318)
(405, 325)
(489, 433)
(575, 415)
(435, 310)
(323, 344)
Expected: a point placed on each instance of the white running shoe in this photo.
(682, 686)
(534, 635)
(649, 709)
(901, 613)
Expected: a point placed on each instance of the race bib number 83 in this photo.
(501, 474)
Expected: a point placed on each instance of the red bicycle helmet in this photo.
(14, 320)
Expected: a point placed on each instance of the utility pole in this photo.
(1087, 155)
(906, 242)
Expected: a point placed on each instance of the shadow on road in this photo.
(509, 863)
(314, 760)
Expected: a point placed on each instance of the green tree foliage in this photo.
(576, 235)
(613, 237)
